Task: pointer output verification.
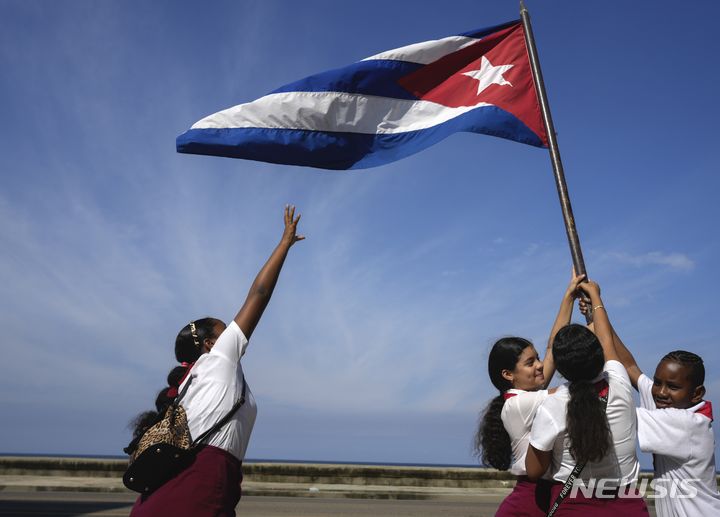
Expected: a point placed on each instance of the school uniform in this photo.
(528, 498)
(619, 467)
(211, 485)
(683, 448)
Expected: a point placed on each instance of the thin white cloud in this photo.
(676, 261)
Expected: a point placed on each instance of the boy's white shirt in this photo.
(683, 446)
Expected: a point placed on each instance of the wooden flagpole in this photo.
(562, 189)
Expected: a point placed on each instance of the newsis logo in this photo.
(652, 489)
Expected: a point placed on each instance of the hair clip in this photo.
(193, 332)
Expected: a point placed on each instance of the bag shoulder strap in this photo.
(577, 469)
(183, 391)
(224, 420)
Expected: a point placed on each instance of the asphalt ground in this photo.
(67, 504)
(99, 504)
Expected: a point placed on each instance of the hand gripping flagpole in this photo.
(562, 189)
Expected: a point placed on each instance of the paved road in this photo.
(67, 504)
(296, 506)
(98, 504)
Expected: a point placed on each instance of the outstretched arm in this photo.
(562, 319)
(603, 330)
(262, 288)
(624, 355)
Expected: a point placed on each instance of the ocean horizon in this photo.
(263, 460)
(246, 460)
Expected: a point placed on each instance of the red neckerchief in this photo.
(603, 388)
(507, 395)
(173, 391)
(706, 410)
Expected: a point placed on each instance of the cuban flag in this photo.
(385, 107)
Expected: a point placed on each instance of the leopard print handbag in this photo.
(162, 451)
(172, 429)
(166, 448)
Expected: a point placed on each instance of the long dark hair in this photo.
(492, 441)
(188, 348)
(579, 358)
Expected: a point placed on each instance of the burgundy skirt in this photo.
(528, 499)
(210, 487)
(614, 506)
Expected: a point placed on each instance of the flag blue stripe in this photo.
(341, 151)
(481, 33)
(374, 77)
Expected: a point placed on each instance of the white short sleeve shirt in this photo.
(620, 466)
(683, 446)
(517, 416)
(216, 386)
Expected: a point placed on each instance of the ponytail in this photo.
(579, 358)
(165, 397)
(492, 444)
(492, 441)
(188, 348)
(587, 424)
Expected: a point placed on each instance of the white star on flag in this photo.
(489, 74)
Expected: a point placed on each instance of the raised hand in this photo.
(585, 306)
(290, 236)
(572, 291)
(262, 288)
(591, 289)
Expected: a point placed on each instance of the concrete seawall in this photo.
(19, 473)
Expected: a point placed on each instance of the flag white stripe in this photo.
(334, 111)
(426, 52)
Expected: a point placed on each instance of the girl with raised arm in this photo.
(575, 428)
(502, 438)
(210, 353)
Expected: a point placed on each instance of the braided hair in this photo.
(692, 361)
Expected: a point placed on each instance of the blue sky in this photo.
(375, 344)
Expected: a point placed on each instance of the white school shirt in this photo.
(620, 466)
(683, 446)
(517, 416)
(216, 386)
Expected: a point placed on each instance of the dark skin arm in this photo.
(262, 288)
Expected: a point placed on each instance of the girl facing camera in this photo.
(516, 370)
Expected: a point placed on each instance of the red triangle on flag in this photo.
(495, 70)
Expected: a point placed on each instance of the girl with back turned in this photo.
(209, 353)
(573, 426)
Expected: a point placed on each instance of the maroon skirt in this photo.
(528, 499)
(632, 505)
(210, 487)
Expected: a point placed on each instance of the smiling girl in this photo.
(502, 439)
